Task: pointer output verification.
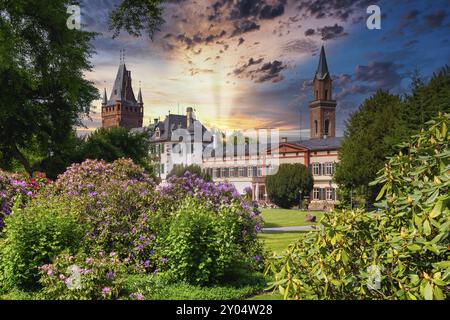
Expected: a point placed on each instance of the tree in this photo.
(133, 16)
(380, 124)
(42, 88)
(370, 136)
(179, 170)
(110, 144)
(285, 186)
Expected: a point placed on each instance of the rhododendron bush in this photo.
(121, 209)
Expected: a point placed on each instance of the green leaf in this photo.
(437, 210)
(414, 247)
(428, 292)
(426, 228)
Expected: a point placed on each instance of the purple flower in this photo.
(257, 258)
(106, 291)
(110, 275)
(164, 260)
(137, 296)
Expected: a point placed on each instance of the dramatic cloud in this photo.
(243, 27)
(384, 75)
(434, 20)
(331, 32)
(270, 71)
(251, 62)
(309, 32)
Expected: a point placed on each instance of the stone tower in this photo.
(122, 109)
(323, 107)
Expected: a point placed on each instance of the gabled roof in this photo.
(331, 143)
(171, 123)
(122, 90)
(322, 69)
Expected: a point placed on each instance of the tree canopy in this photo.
(283, 188)
(383, 121)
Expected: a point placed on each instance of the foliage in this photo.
(32, 237)
(111, 201)
(82, 277)
(285, 186)
(134, 16)
(371, 135)
(202, 245)
(406, 240)
(110, 144)
(43, 92)
(383, 121)
(180, 170)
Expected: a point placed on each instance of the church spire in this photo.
(322, 68)
(105, 98)
(140, 101)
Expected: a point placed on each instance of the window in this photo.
(226, 172)
(316, 169)
(217, 173)
(162, 168)
(157, 133)
(327, 126)
(315, 126)
(243, 172)
(260, 172)
(236, 172)
(329, 168)
(255, 171)
(329, 194)
(317, 94)
(326, 94)
(316, 194)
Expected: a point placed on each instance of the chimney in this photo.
(284, 139)
(189, 117)
(155, 120)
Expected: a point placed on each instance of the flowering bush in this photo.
(83, 277)
(15, 187)
(32, 237)
(111, 201)
(202, 246)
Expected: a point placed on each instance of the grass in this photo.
(275, 218)
(279, 241)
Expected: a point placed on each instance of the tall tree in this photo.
(42, 88)
(371, 135)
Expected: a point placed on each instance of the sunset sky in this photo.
(249, 63)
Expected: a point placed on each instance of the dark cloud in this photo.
(244, 27)
(309, 32)
(411, 15)
(251, 62)
(270, 12)
(270, 72)
(435, 20)
(384, 75)
(331, 32)
(340, 9)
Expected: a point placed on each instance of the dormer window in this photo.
(157, 133)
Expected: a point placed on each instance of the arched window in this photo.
(317, 94)
(326, 94)
(327, 127)
(315, 126)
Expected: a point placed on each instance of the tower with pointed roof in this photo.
(122, 109)
(323, 107)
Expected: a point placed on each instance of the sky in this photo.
(246, 64)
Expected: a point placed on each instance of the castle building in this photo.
(122, 109)
(319, 153)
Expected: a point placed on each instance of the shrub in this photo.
(111, 201)
(15, 187)
(202, 245)
(180, 170)
(32, 237)
(405, 244)
(83, 277)
(284, 187)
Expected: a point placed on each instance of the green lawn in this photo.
(286, 217)
(279, 241)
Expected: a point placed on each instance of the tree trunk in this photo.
(19, 156)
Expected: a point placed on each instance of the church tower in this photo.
(323, 107)
(122, 109)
